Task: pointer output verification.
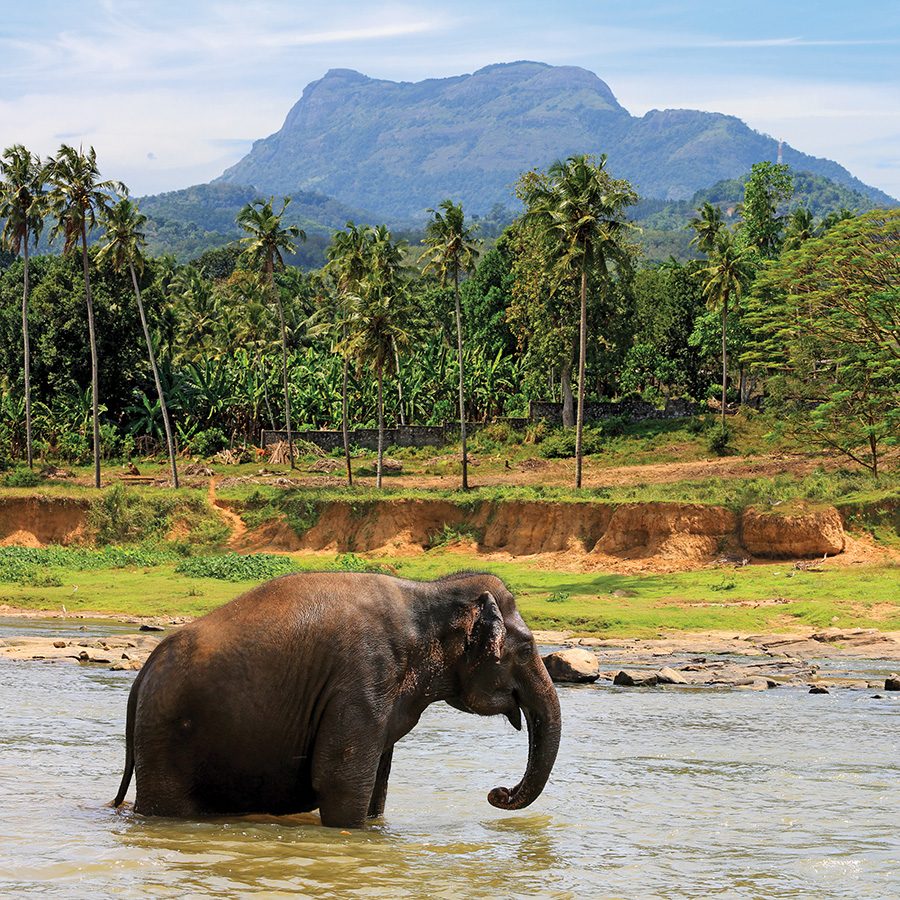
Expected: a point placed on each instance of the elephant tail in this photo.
(129, 742)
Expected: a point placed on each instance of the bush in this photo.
(453, 534)
(236, 567)
(561, 444)
(73, 447)
(208, 442)
(350, 562)
(558, 597)
(718, 439)
(21, 477)
(698, 424)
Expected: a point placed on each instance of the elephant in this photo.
(290, 698)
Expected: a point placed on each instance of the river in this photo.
(657, 793)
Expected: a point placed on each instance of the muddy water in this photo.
(657, 793)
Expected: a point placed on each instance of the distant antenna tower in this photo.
(780, 156)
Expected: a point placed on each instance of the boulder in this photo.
(892, 682)
(819, 689)
(804, 533)
(667, 675)
(574, 666)
(632, 678)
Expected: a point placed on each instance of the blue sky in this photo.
(170, 93)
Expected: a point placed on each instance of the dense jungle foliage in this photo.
(769, 290)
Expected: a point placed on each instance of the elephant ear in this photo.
(489, 632)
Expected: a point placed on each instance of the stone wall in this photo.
(632, 410)
(367, 438)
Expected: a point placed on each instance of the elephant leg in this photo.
(379, 793)
(344, 777)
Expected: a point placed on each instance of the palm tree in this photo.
(21, 205)
(800, 228)
(124, 249)
(706, 224)
(727, 270)
(76, 198)
(580, 209)
(376, 320)
(347, 258)
(451, 250)
(267, 238)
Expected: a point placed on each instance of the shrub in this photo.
(21, 477)
(452, 534)
(206, 443)
(698, 424)
(558, 597)
(237, 567)
(718, 439)
(561, 444)
(350, 562)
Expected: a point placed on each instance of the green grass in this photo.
(549, 599)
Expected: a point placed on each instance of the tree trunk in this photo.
(26, 344)
(265, 382)
(270, 272)
(95, 372)
(344, 423)
(167, 425)
(724, 355)
(568, 400)
(582, 357)
(462, 395)
(380, 464)
(399, 383)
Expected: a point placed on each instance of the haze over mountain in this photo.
(396, 149)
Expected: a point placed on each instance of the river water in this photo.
(657, 793)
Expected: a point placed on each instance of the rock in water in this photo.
(626, 678)
(892, 682)
(818, 689)
(573, 666)
(667, 675)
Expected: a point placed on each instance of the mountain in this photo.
(398, 148)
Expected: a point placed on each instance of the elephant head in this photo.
(498, 670)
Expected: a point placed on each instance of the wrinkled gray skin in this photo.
(291, 697)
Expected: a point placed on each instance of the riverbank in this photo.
(819, 660)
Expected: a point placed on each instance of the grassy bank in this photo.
(159, 582)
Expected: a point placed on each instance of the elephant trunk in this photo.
(541, 707)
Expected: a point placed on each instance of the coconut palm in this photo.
(21, 206)
(451, 251)
(267, 239)
(800, 228)
(377, 320)
(123, 248)
(347, 257)
(727, 270)
(76, 198)
(581, 211)
(706, 225)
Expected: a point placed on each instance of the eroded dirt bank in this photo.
(658, 536)
(651, 536)
(37, 521)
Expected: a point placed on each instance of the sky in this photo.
(171, 93)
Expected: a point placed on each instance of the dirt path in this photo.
(231, 519)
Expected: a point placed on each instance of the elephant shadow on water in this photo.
(291, 697)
